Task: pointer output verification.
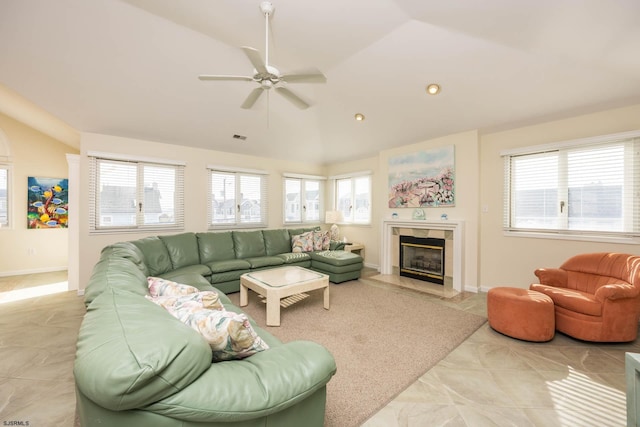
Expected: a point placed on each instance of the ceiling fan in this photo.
(268, 76)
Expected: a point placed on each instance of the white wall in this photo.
(510, 261)
(23, 250)
(365, 234)
(196, 188)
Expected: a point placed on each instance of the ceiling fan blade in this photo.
(217, 77)
(252, 98)
(304, 77)
(295, 99)
(256, 59)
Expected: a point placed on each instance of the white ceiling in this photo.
(130, 67)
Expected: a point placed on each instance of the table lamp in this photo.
(333, 217)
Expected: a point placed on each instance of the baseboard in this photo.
(369, 265)
(31, 271)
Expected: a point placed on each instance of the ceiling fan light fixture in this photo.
(433, 89)
(267, 76)
(359, 117)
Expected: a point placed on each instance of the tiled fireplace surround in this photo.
(450, 230)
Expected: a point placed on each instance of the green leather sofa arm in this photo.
(260, 385)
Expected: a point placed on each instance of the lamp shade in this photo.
(331, 217)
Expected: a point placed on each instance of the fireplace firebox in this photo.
(422, 258)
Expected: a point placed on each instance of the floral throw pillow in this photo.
(321, 240)
(302, 242)
(209, 300)
(160, 287)
(229, 334)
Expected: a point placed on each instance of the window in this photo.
(353, 198)
(127, 194)
(237, 198)
(303, 199)
(586, 187)
(4, 195)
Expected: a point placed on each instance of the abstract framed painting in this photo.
(48, 202)
(423, 179)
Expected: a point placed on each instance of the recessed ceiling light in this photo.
(359, 117)
(433, 89)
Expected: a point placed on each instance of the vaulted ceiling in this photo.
(130, 67)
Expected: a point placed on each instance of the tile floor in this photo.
(489, 380)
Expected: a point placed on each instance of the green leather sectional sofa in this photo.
(222, 257)
(137, 365)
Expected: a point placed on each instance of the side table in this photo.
(356, 248)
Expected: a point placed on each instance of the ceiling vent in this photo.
(240, 137)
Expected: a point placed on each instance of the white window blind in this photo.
(589, 188)
(353, 199)
(132, 195)
(237, 199)
(4, 195)
(303, 200)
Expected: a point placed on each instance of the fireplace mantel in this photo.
(456, 226)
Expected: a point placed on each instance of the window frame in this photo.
(630, 207)
(238, 174)
(8, 168)
(349, 219)
(303, 180)
(140, 163)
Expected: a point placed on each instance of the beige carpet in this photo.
(382, 340)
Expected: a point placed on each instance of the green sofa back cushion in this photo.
(156, 255)
(276, 242)
(128, 251)
(114, 272)
(183, 249)
(215, 246)
(248, 244)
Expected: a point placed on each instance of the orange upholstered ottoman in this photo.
(521, 313)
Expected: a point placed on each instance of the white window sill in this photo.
(629, 240)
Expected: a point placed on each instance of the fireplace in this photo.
(452, 230)
(422, 258)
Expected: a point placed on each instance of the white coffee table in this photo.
(282, 282)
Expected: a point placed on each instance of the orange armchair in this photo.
(596, 296)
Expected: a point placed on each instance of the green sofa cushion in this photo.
(132, 353)
(262, 384)
(276, 241)
(156, 255)
(183, 249)
(228, 276)
(117, 273)
(128, 251)
(265, 261)
(337, 258)
(215, 246)
(248, 244)
(200, 269)
(325, 268)
(291, 258)
(229, 265)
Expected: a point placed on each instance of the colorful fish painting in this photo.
(48, 203)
